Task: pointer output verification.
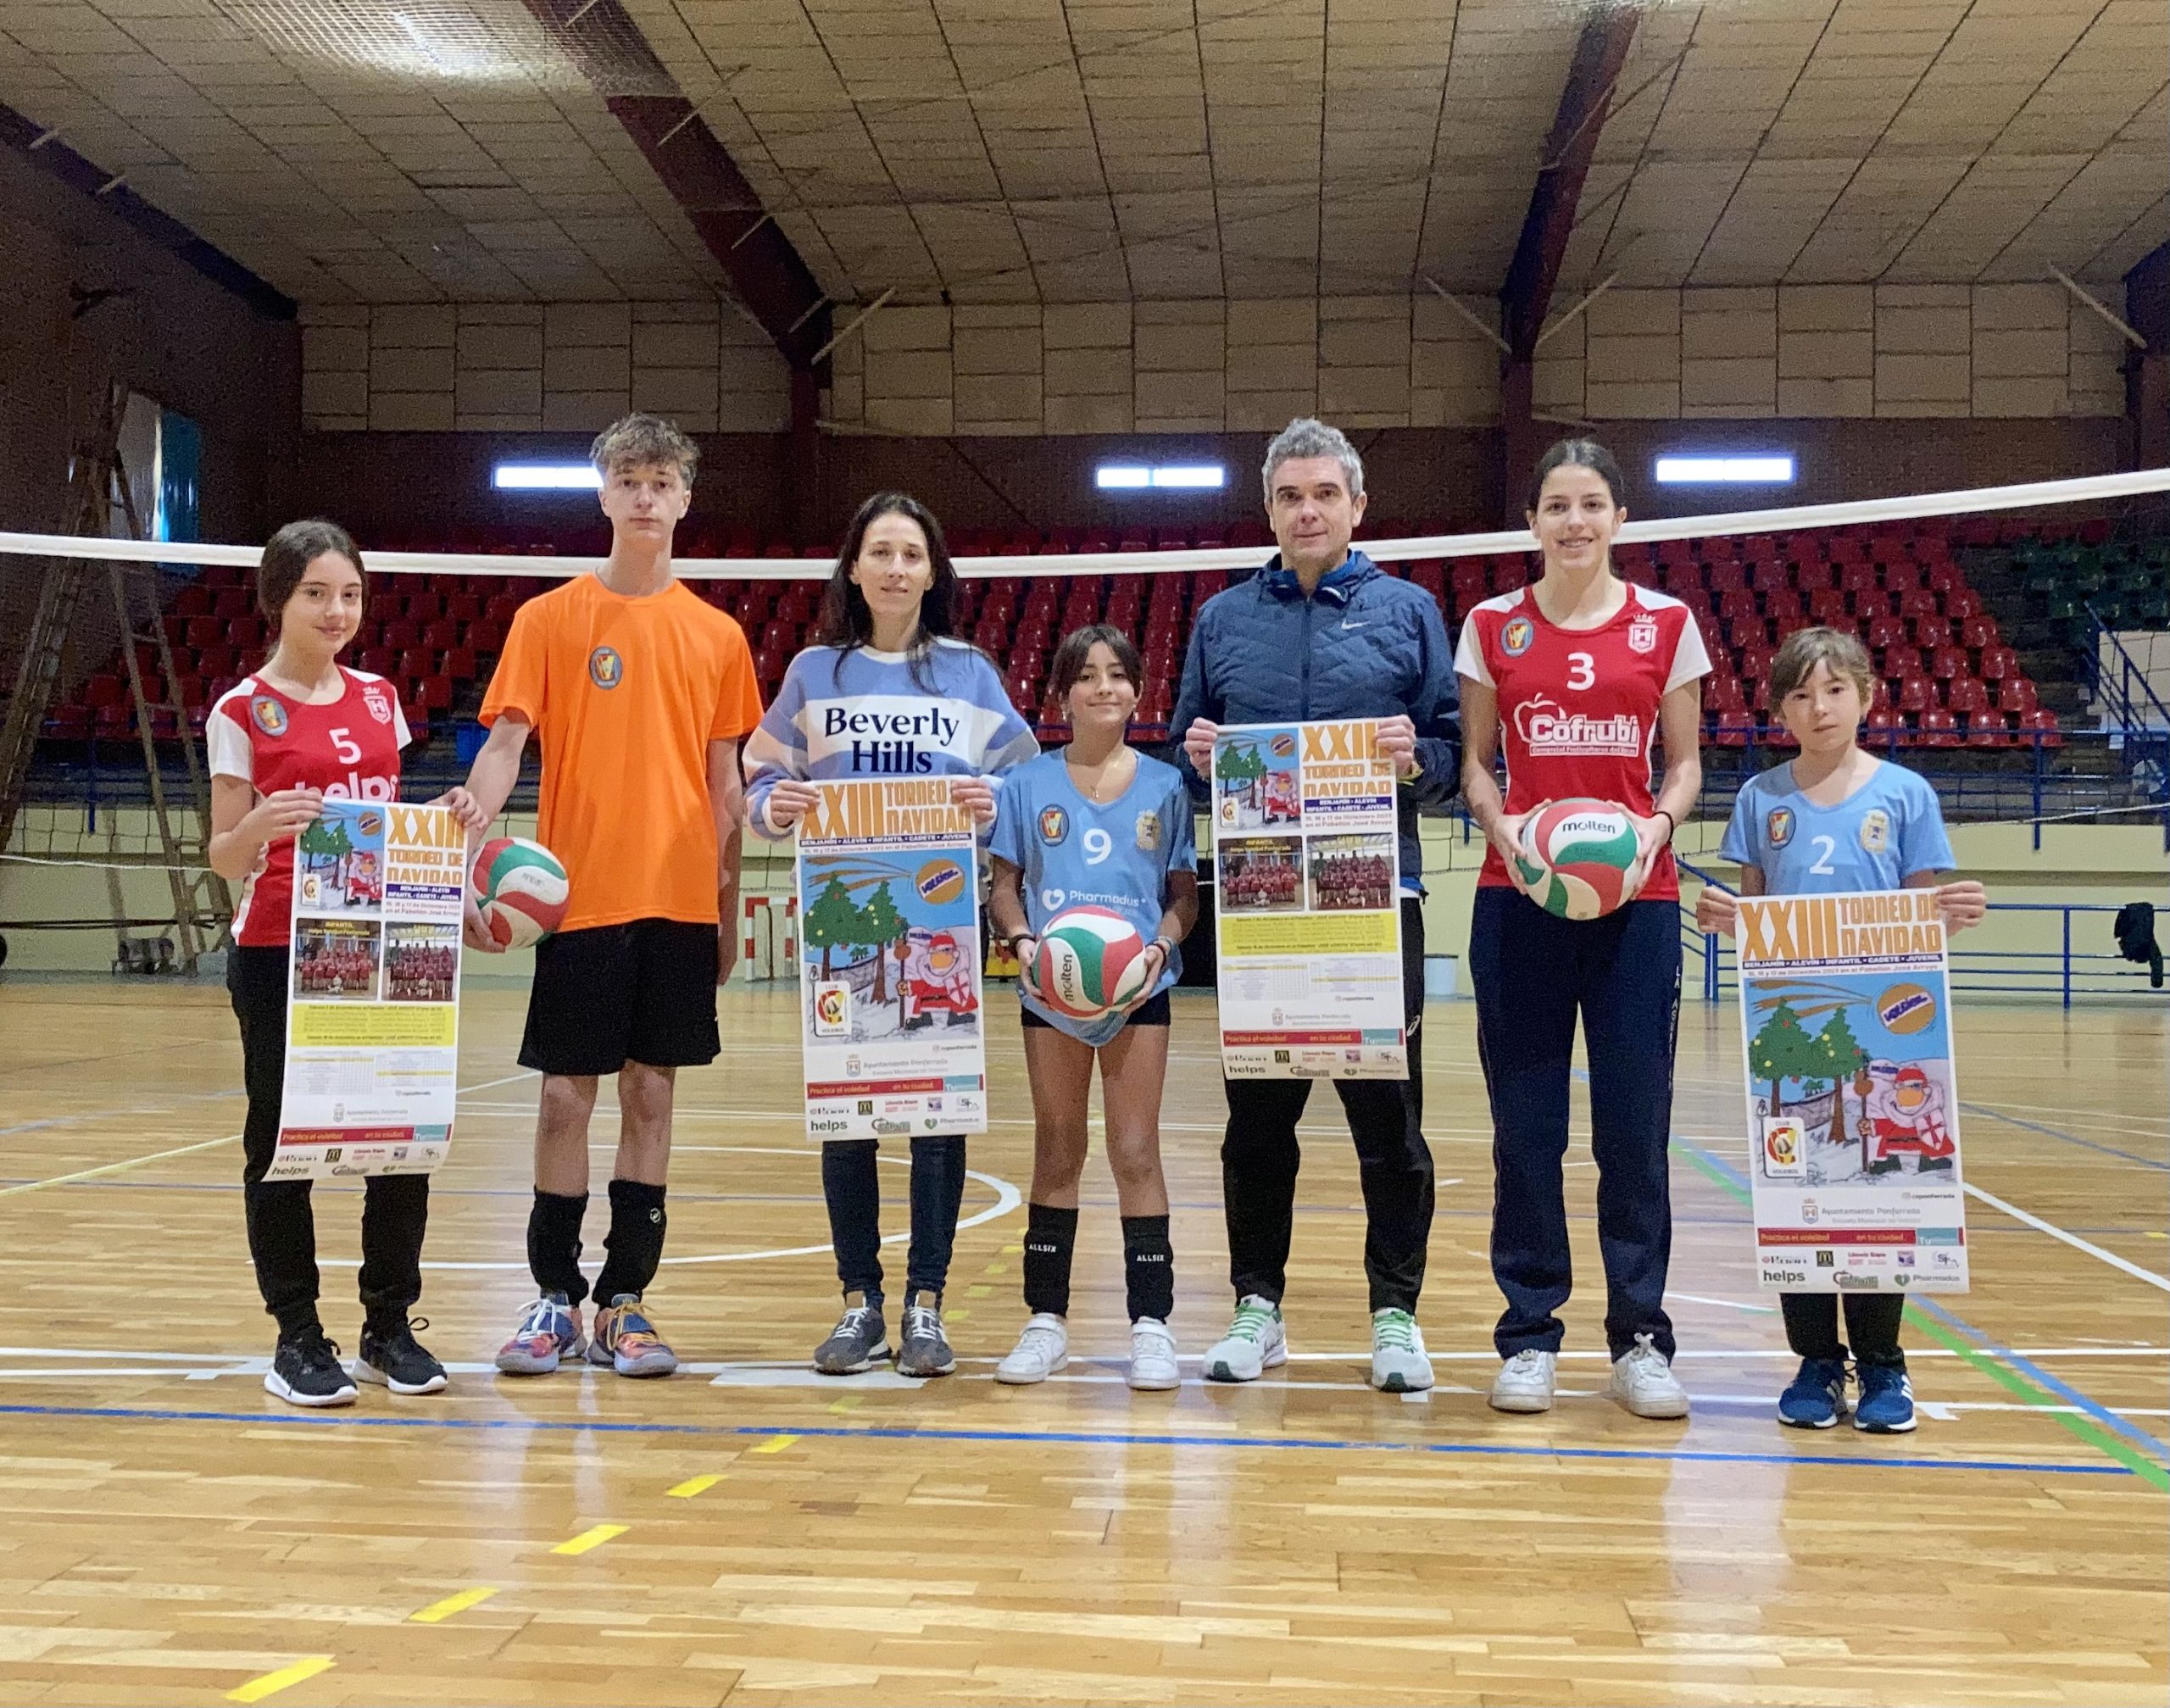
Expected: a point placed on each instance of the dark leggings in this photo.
(1872, 1325)
(281, 1222)
(851, 1184)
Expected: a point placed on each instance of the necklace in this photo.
(1102, 786)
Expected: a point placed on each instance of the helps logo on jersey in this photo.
(1547, 729)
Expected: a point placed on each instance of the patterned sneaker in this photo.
(1817, 1398)
(1041, 1350)
(1398, 1362)
(925, 1350)
(399, 1360)
(548, 1330)
(306, 1371)
(1887, 1401)
(627, 1341)
(1153, 1357)
(1256, 1341)
(859, 1342)
(1525, 1381)
(1642, 1381)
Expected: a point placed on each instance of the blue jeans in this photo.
(1533, 975)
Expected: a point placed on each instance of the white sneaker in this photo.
(1524, 1382)
(1398, 1362)
(1153, 1357)
(1642, 1381)
(1256, 1342)
(1041, 1350)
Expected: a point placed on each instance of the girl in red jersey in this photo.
(1577, 675)
(301, 730)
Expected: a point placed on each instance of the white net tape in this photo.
(2085, 489)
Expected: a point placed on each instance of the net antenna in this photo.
(100, 496)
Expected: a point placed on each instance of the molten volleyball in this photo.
(520, 889)
(1577, 859)
(1089, 961)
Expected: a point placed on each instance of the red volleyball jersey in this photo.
(349, 748)
(1579, 708)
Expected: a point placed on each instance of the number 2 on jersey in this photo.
(1825, 848)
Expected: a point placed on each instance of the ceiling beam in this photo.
(1525, 299)
(42, 148)
(766, 272)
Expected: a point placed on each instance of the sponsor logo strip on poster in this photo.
(373, 992)
(1307, 911)
(889, 962)
(1853, 1101)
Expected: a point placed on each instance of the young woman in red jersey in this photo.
(301, 729)
(1577, 675)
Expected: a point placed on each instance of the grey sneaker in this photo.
(1398, 1362)
(859, 1341)
(925, 1350)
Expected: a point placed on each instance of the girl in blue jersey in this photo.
(1835, 820)
(1097, 824)
(887, 691)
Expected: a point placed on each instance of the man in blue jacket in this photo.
(1320, 632)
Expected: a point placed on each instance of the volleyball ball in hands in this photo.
(1088, 962)
(1578, 858)
(520, 889)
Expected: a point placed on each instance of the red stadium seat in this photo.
(2041, 726)
(1977, 632)
(1939, 729)
(1946, 662)
(1933, 632)
(1901, 661)
(1883, 631)
(1966, 694)
(1998, 663)
(1988, 729)
(2015, 694)
(1912, 695)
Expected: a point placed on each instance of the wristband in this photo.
(1011, 942)
(1671, 824)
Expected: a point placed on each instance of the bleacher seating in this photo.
(1947, 677)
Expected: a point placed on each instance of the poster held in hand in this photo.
(1307, 909)
(890, 962)
(373, 992)
(1852, 1096)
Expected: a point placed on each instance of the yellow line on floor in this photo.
(117, 1168)
(438, 1611)
(587, 1539)
(776, 1444)
(271, 1684)
(694, 1485)
(850, 1402)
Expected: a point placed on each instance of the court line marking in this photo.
(590, 1539)
(1940, 1324)
(1995, 1113)
(2072, 1239)
(271, 1684)
(438, 1611)
(294, 1420)
(694, 1485)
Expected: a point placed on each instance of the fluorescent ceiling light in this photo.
(545, 478)
(1189, 474)
(1743, 471)
(1123, 475)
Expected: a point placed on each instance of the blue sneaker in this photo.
(548, 1330)
(1817, 1398)
(1887, 1406)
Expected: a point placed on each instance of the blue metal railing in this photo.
(2122, 691)
(2063, 971)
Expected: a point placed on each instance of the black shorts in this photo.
(613, 994)
(1152, 1012)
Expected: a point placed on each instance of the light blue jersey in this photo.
(1884, 833)
(869, 714)
(1074, 853)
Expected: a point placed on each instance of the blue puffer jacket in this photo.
(1363, 645)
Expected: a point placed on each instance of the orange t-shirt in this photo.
(626, 694)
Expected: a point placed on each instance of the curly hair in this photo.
(640, 440)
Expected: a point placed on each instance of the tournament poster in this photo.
(890, 962)
(373, 992)
(1307, 910)
(1853, 1100)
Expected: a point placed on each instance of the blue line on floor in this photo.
(1995, 1113)
(1058, 1437)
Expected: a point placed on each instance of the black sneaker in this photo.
(859, 1342)
(925, 1350)
(395, 1358)
(306, 1371)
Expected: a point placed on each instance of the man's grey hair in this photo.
(1306, 438)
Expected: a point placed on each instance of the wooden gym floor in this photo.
(748, 1533)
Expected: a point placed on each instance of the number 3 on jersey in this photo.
(1582, 670)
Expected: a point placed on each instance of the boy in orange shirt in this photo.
(640, 693)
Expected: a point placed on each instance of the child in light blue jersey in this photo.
(1836, 820)
(1098, 825)
(888, 692)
